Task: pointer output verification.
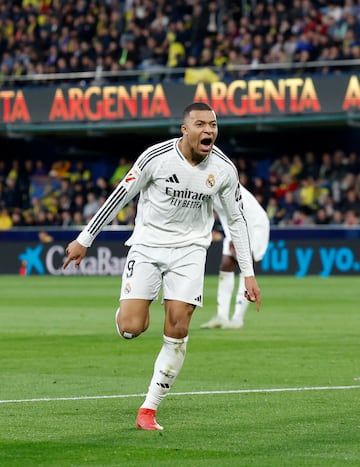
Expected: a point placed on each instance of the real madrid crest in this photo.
(210, 182)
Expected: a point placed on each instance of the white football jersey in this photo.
(257, 222)
(175, 206)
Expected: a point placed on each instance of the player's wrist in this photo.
(85, 239)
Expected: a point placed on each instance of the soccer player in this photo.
(177, 180)
(259, 232)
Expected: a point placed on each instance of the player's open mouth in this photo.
(206, 144)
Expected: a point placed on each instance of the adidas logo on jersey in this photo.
(172, 179)
(198, 299)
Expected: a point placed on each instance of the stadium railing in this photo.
(165, 73)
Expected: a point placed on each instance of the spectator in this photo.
(301, 219)
(260, 190)
(199, 23)
(353, 163)
(17, 218)
(351, 219)
(337, 218)
(308, 195)
(14, 171)
(80, 173)
(3, 171)
(272, 210)
(296, 167)
(120, 171)
(287, 207)
(102, 188)
(126, 216)
(41, 219)
(66, 219)
(281, 166)
(12, 194)
(91, 206)
(351, 202)
(40, 169)
(5, 219)
(64, 202)
(321, 217)
(77, 203)
(326, 169)
(310, 166)
(60, 169)
(287, 184)
(65, 188)
(78, 219)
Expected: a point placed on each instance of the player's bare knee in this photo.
(128, 335)
(129, 327)
(127, 332)
(177, 329)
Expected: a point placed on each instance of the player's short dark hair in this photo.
(195, 106)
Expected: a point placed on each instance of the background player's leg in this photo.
(226, 283)
(241, 305)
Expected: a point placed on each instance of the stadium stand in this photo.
(177, 40)
(107, 38)
(293, 191)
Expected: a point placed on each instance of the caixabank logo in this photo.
(31, 262)
(49, 259)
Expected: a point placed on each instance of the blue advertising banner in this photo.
(298, 257)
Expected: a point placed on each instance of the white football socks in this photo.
(241, 304)
(167, 366)
(225, 289)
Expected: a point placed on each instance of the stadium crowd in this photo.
(295, 189)
(71, 36)
(62, 194)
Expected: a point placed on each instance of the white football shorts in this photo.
(258, 251)
(180, 272)
(226, 247)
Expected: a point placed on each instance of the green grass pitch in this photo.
(283, 391)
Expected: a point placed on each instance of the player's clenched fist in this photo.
(75, 252)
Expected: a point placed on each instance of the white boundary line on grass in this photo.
(194, 393)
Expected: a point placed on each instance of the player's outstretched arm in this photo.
(75, 252)
(252, 291)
